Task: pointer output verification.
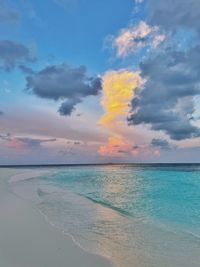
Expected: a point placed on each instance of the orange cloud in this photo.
(115, 146)
(118, 90)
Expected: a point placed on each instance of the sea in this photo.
(137, 215)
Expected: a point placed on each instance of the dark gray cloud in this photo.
(1, 112)
(8, 14)
(63, 82)
(166, 101)
(173, 14)
(13, 54)
(68, 106)
(160, 143)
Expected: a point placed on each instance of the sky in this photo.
(110, 81)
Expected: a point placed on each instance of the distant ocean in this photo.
(137, 215)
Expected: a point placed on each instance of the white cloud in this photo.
(130, 39)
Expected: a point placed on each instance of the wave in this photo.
(108, 205)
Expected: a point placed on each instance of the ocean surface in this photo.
(137, 215)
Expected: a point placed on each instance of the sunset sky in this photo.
(97, 81)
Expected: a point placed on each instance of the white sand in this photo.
(27, 240)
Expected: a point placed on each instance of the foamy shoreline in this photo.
(27, 240)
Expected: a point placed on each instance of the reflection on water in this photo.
(112, 237)
(140, 217)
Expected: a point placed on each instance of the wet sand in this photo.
(27, 240)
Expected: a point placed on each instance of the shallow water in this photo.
(137, 215)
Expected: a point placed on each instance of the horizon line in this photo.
(94, 164)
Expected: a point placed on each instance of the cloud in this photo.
(68, 106)
(23, 142)
(160, 143)
(13, 54)
(173, 14)
(118, 90)
(63, 82)
(1, 113)
(8, 14)
(133, 38)
(115, 146)
(167, 100)
(27, 143)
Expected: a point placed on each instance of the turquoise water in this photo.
(137, 215)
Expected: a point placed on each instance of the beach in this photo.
(99, 216)
(27, 240)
